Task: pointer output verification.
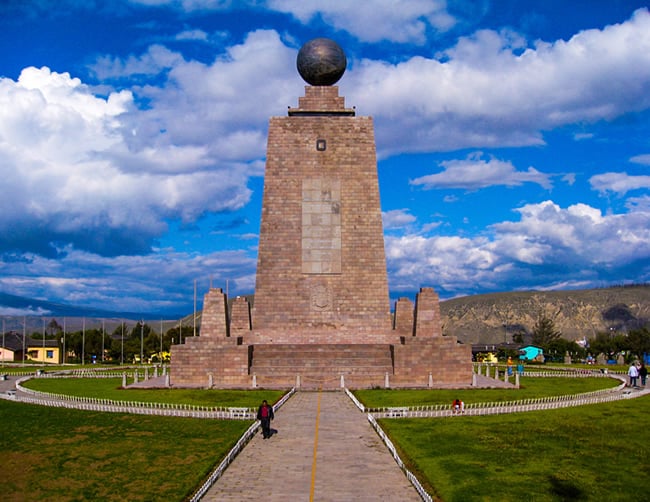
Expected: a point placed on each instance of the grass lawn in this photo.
(530, 387)
(594, 453)
(66, 455)
(109, 388)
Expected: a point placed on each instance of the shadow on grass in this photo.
(566, 489)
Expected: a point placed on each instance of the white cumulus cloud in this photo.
(493, 89)
(619, 183)
(475, 172)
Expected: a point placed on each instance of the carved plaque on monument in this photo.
(321, 226)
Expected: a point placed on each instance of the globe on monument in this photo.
(321, 61)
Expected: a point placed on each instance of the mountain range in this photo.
(490, 318)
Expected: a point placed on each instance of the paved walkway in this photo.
(324, 450)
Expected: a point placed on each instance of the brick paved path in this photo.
(350, 461)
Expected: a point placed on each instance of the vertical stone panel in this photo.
(427, 313)
(214, 318)
(404, 317)
(240, 316)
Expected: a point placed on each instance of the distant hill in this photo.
(490, 318)
(74, 314)
(494, 318)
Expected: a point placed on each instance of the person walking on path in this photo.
(265, 415)
(643, 373)
(633, 373)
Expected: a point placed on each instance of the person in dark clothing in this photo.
(643, 373)
(265, 415)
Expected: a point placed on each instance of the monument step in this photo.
(290, 362)
(320, 360)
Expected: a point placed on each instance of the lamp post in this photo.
(141, 341)
(103, 331)
(24, 336)
(64, 340)
(122, 352)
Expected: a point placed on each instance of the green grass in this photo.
(531, 387)
(595, 452)
(110, 388)
(70, 455)
(592, 453)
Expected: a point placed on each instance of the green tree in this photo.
(558, 348)
(518, 337)
(86, 344)
(609, 344)
(544, 332)
(119, 337)
(638, 342)
(173, 335)
(54, 329)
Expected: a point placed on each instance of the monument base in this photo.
(317, 358)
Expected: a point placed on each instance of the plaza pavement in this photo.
(324, 450)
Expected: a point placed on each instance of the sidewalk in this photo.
(331, 455)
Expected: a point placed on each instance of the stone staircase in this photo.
(320, 365)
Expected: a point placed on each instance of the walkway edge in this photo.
(243, 440)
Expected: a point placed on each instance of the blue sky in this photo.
(513, 141)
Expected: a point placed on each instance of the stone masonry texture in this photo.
(320, 317)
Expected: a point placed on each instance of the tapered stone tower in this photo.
(321, 312)
(321, 261)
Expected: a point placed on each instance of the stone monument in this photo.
(321, 311)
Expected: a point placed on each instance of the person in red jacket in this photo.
(265, 415)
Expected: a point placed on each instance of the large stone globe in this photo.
(321, 61)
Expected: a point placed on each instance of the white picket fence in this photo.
(500, 407)
(494, 408)
(246, 437)
(393, 451)
(137, 407)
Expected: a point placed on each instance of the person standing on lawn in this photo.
(633, 373)
(643, 373)
(265, 415)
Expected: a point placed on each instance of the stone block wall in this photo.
(240, 316)
(404, 317)
(321, 260)
(427, 313)
(320, 99)
(448, 362)
(321, 311)
(214, 318)
(198, 358)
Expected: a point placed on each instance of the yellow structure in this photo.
(48, 353)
